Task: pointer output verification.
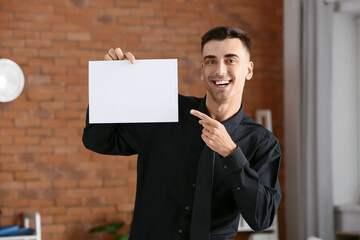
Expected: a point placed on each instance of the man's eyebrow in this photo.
(231, 55)
(209, 56)
(227, 56)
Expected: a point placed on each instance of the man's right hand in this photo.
(118, 54)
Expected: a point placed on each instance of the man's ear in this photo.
(250, 68)
(202, 72)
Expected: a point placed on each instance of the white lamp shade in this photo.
(11, 80)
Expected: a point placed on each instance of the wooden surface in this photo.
(242, 236)
(246, 235)
(347, 236)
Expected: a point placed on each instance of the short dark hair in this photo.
(226, 32)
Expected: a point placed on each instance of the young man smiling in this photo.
(197, 176)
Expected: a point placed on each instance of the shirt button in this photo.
(225, 167)
(180, 231)
(238, 188)
(193, 185)
(187, 208)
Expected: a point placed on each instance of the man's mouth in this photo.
(221, 83)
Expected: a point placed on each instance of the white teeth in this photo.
(222, 82)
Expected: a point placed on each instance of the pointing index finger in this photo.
(200, 115)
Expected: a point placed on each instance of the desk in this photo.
(347, 236)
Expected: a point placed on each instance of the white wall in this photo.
(345, 107)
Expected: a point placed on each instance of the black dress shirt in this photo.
(244, 182)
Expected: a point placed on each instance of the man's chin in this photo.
(220, 98)
(223, 97)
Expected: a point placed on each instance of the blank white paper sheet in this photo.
(121, 92)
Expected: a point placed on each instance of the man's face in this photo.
(226, 65)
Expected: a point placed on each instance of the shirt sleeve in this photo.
(111, 139)
(255, 184)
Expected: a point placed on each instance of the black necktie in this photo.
(201, 214)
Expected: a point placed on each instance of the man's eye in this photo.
(210, 62)
(231, 61)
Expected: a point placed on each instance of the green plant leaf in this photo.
(111, 228)
(122, 237)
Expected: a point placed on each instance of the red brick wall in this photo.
(43, 164)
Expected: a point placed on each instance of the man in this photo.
(197, 176)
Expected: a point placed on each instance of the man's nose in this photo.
(221, 69)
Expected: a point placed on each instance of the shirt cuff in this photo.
(234, 162)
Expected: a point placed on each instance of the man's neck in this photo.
(222, 111)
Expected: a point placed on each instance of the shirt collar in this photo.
(232, 123)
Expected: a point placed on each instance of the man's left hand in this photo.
(215, 135)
